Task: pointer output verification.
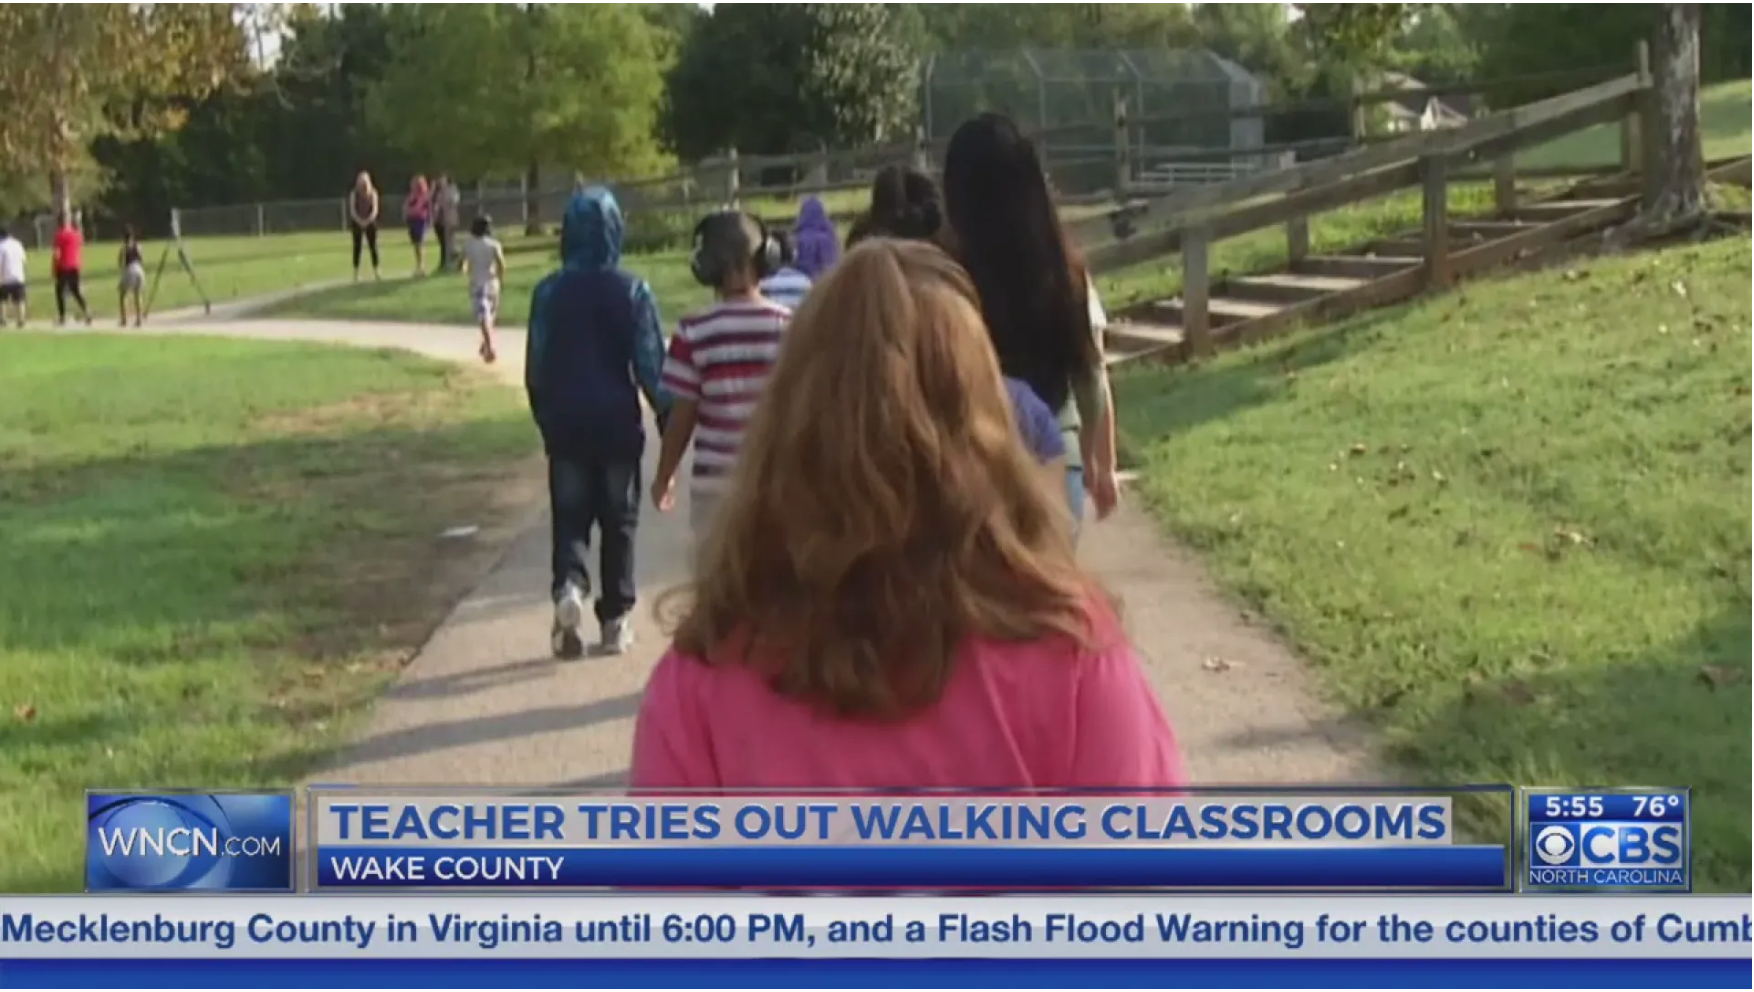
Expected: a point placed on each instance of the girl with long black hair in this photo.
(1040, 307)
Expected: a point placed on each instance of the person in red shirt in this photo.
(69, 247)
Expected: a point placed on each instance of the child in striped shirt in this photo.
(719, 361)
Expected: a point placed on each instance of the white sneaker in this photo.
(617, 636)
(569, 617)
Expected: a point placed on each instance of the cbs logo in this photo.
(1555, 845)
(1608, 844)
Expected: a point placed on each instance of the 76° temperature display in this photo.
(1621, 840)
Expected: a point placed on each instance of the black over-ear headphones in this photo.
(707, 264)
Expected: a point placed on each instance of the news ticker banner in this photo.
(1161, 927)
(355, 840)
(462, 940)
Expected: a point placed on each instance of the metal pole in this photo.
(927, 93)
(1041, 103)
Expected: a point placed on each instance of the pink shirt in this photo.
(1036, 715)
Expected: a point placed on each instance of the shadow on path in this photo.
(433, 737)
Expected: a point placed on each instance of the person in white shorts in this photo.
(132, 283)
(12, 276)
(485, 260)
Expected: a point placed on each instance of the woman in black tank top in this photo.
(133, 279)
(362, 217)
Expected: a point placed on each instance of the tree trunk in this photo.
(1677, 185)
(532, 198)
(60, 193)
(532, 172)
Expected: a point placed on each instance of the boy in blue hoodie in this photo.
(595, 345)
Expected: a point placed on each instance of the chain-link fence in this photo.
(504, 201)
(1068, 97)
(660, 212)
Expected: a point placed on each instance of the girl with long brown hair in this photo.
(888, 596)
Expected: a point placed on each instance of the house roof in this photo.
(1454, 106)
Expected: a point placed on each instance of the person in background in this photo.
(1039, 305)
(905, 203)
(815, 244)
(14, 273)
(363, 205)
(788, 284)
(719, 361)
(859, 619)
(132, 282)
(910, 202)
(595, 344)
(1039, 428)
(485, 259)
(66, 263)
(447, 203)
(417, 210)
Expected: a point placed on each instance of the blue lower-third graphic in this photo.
(188, 842)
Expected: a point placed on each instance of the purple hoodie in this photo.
(816, 246)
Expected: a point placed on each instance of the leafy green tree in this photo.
(503, 89)
(1356, 36)
(1515, 39)
(1433, 46)
(1255, 36)
(674, 22)
(777, 78)
(76, 72)
(996, 26)
(311, 116)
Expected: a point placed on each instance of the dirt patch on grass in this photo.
(408, 584)
(417, 513)
(386, 599)
(349, 413)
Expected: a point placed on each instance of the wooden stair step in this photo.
(1465, 233)
(1127, 334)
(1551, 210)
(1354, 266)
(1220, 310)
(1406, 247)
(1125, 341)
(1288, 287)
(1490, 228)
(1113, 358)
(1612, 186)
(1487, 230)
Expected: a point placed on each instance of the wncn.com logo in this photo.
(224, 842)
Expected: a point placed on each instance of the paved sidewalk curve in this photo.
(484, 704)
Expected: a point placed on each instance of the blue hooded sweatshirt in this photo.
(595, 343)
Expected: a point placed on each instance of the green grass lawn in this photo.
(1724, 112)
(1508, 525)
(228, 269)
(445, 299)
(214, 554)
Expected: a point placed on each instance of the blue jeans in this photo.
(604, 496)
(1075, 496)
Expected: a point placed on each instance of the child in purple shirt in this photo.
(1040, 428)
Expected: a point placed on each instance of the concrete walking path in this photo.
(484, 703)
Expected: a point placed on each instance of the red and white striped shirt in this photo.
(720, 358)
